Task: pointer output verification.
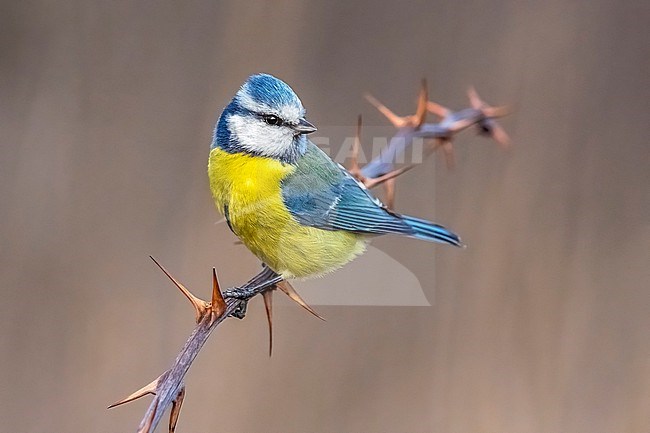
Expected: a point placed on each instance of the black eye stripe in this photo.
(272, 119)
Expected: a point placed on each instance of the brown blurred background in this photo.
(542, 325)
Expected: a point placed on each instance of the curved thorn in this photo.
(393, 118)
(474, 99)
(176, 409)
(494, 112)
(421, 112)
(373, 101)
(295, 297)
(389, 189)
(218, 304)
(448, 150)
(200, 306)
(354, 163)
(437, 109)
(149, 388)
(500, 136)
(267, 295)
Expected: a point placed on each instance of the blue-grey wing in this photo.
(320, 193)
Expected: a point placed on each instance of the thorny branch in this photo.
(168, 389)
(381, 170)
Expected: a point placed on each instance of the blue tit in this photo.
(298, 211)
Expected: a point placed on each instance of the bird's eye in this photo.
(272, 119)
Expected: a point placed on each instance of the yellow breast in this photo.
(247, 189)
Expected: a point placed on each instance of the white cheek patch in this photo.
(256, 136)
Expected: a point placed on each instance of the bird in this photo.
(302, 214)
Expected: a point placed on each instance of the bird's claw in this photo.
(262, 282)
(240, 311)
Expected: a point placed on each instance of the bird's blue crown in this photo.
(268, 90)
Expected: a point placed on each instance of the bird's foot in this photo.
(260, 283)
(243, 294)
(240, 311)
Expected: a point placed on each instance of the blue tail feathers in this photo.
(428, 231)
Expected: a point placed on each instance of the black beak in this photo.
(303, 127)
